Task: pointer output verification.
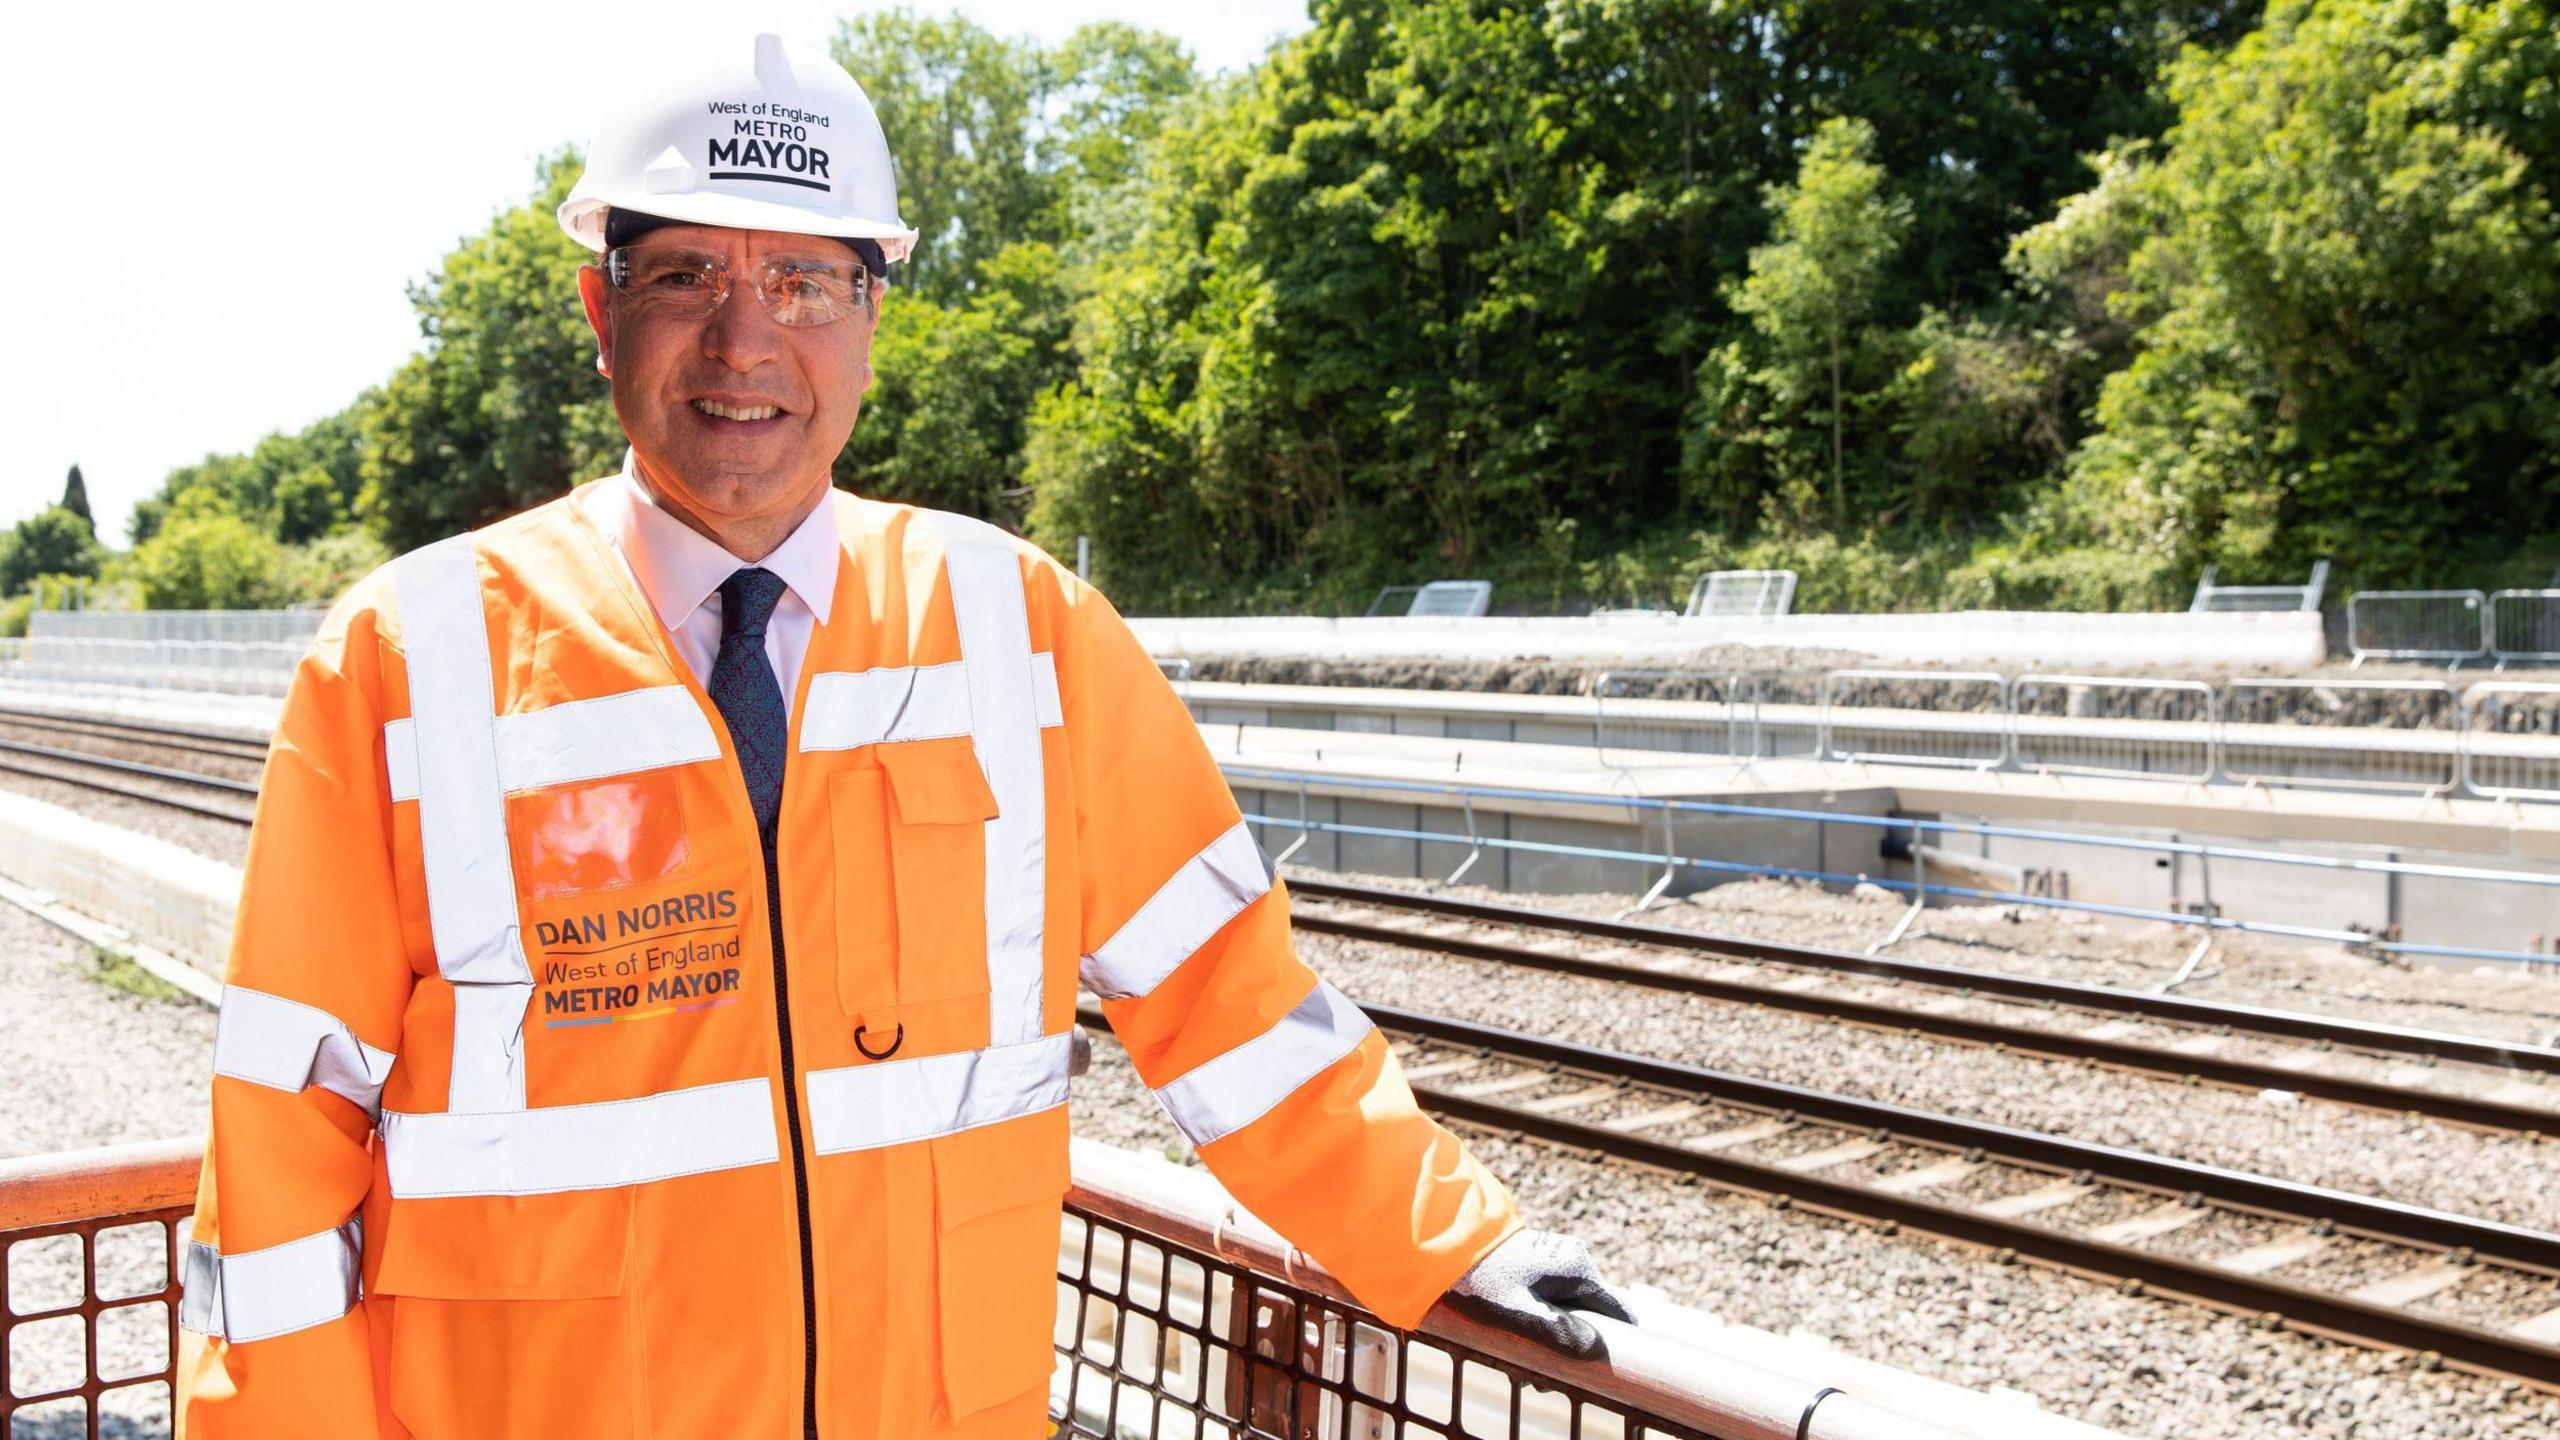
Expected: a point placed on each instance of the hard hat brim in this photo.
(583, 217)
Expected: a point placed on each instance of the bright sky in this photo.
(250, 187)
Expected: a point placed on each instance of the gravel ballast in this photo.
(2144, 1367)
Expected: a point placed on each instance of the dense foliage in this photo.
(2012, 301)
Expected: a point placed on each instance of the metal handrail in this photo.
(2225, 734)
(1651, 1380)
(1831, 681)
(2207, 921)
(1674, 1384)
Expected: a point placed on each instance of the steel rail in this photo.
(2251, 1019)
(2387, 1220)
(2480, 1113)
(195, 742)
(2271, 1302)
(2471, 1347)
(129, 792)
(133, 767)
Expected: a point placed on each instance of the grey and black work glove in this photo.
(1533, 1284)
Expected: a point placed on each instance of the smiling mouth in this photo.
(717, 410)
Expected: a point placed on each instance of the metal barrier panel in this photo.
(1673, 715)
(2214, 596)
(2446, 625)
(237, 667)
(2524, 625)
(2111, 725)
(1915, 717)
(2391, 735)
(1176, 1317)
(2511, 740)
(1742, 594)
(1159, 1342)
(89, 1322)
(1453, 600)
(1385, 602)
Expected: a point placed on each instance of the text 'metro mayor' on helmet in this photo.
(772, 135)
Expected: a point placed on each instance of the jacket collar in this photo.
(679, 568)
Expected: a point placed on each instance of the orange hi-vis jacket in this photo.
(521, 1127)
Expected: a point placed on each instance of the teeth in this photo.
(752, 412)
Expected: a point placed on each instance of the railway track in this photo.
(2487, 1084)
(191, 791)
(2282, 1253)
(2286, 1254)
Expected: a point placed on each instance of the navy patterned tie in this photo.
(750, 700)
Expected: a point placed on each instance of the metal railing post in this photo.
(1919, 893)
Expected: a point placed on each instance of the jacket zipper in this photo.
(799, 1155)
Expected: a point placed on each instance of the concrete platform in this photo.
(1971, 637)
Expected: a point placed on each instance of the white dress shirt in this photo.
(680, 570)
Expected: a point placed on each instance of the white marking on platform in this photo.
(2414, 1284)
(2176, 1215)
(2053, 1196)
(1825, 1159)
(2274, 1255)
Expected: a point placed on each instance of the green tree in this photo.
(75, 498)
(502, 408)
(204, 556)
(2346, 302)
(1811, 295)
(53, 541)
(945, 425)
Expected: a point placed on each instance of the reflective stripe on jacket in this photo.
(502, 1144)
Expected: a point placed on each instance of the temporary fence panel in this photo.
(1392, 600)
(1743, 594)
(1670, 715)
(2450, 626)
(2389, 735)
(236, 667)
(294, 627)
(2212, 596)
(2109, 725)
(2524, 627)
(1916, 717)
(1452, 600)
(2511, 740)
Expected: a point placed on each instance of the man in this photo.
(651, 1002)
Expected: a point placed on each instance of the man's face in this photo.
(671, 373)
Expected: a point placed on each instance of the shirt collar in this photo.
(679, 567)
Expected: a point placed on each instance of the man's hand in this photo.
(1532, 1284)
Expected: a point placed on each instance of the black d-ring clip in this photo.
(894, 1042)
(1804, 1427)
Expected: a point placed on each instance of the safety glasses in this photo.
(687, 284)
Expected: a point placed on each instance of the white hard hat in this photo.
(788, 143)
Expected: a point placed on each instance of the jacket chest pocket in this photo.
(910, 872)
